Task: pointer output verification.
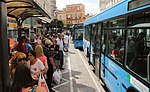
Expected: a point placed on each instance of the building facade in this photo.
(75, 13)
(49, 6)
(104, 4)
(61, 15)
(52, 9)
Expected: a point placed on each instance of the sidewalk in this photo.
(78, 75)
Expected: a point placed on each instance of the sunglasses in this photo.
(12, 55)
(30, 55)
(20, 59)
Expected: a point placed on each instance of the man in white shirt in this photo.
(61, 46)
(66, 42)
(60, 42)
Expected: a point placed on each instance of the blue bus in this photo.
(117, 41)
(78, 35)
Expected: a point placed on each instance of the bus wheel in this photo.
(131, 89)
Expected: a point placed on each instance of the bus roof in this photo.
(78, 23)
(118, 9)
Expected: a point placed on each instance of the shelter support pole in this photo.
(4, 62)
(32, 31)
(19, 37)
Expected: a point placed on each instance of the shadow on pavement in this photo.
(82, 88)
(71, 52)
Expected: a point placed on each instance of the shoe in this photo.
(52, 91)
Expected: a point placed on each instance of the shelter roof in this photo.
(22, 9)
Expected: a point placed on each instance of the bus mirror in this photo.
(148, 67)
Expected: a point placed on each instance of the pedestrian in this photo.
(17, 58)
(23, 81)
(28, 45)
(35, 65)
(50, 71)
(61, 46)
(66, 42)
(23, 48)
(40, 55)
(55, 49)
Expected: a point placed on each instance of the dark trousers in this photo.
(49, 78)
(61, 57)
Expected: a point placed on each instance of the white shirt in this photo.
(66, 39)
(60, 43)
(36, 68)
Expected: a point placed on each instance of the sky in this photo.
(91, 6)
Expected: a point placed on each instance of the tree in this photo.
(56, 25)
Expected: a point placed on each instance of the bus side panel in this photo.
(117, 79)
(102, 67)
(91, 55)
(84, 47)
(110, 78)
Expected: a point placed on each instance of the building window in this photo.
(60, 17)
(68, 8)
(63, 16)
(78, 8)
(73, 16)
(68, 16)
(73, 22)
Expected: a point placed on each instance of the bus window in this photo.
(137, 51)
(116, 42)
(104, 37)
(87, 33)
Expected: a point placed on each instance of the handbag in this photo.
(57, 75)
(42, 82)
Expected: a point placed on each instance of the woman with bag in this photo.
(23, 81)
(50, 71)
(55, 49)
(35, 65)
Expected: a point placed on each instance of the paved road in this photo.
(78, 75)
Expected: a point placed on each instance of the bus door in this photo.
(93, 45)
(103, 50)
(97, 46)
(91, 58)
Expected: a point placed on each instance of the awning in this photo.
(45, 19)
(22, 9)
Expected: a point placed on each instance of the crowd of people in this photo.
(45, 56)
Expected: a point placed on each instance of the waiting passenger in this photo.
(18, 58)
(23, 81)
(35, 65)
(140, 44)
(40, 55)
(131, 50)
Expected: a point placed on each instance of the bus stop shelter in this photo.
(20, 10)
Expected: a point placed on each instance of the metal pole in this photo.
(56, 26)
(19, 37)
(148, 67)
(4, 63)
(32, 30)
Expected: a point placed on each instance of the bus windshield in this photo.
(78, 31)
(79, 34)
